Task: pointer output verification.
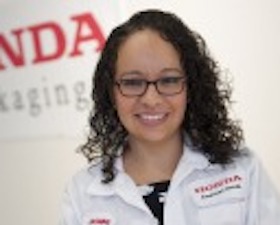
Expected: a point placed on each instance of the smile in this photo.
(152, 119)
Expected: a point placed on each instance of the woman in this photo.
(162, 148)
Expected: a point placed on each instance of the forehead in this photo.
(147, 52)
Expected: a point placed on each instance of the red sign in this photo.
(16, 55)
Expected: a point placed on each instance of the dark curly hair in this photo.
(206, 121)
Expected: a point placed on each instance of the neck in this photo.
(148, 162)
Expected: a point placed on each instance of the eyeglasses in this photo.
(167, 86)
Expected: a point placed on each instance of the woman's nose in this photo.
(151, 96)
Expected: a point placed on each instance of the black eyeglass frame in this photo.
(155, 84)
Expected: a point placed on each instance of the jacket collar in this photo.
(191, 160)
(122, 186)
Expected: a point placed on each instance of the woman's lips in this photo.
(151, 119)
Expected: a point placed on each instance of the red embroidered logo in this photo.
(100, 221)
(217, 184)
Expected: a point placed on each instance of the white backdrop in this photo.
(242, 35)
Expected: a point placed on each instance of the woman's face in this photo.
(150, 117)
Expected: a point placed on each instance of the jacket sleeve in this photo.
(264, 202)
(69, 213)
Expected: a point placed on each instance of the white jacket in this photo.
(200, 193)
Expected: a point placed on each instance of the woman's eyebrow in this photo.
(172, 69)
(139, 73)
(131, 73)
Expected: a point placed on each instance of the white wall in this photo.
(243, 35)
(33, 175)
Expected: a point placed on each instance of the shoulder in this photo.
(250, 168)
(247, 161)
(83, 178)
(244, 168)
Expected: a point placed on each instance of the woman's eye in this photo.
(132, 82)
(169, 80)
